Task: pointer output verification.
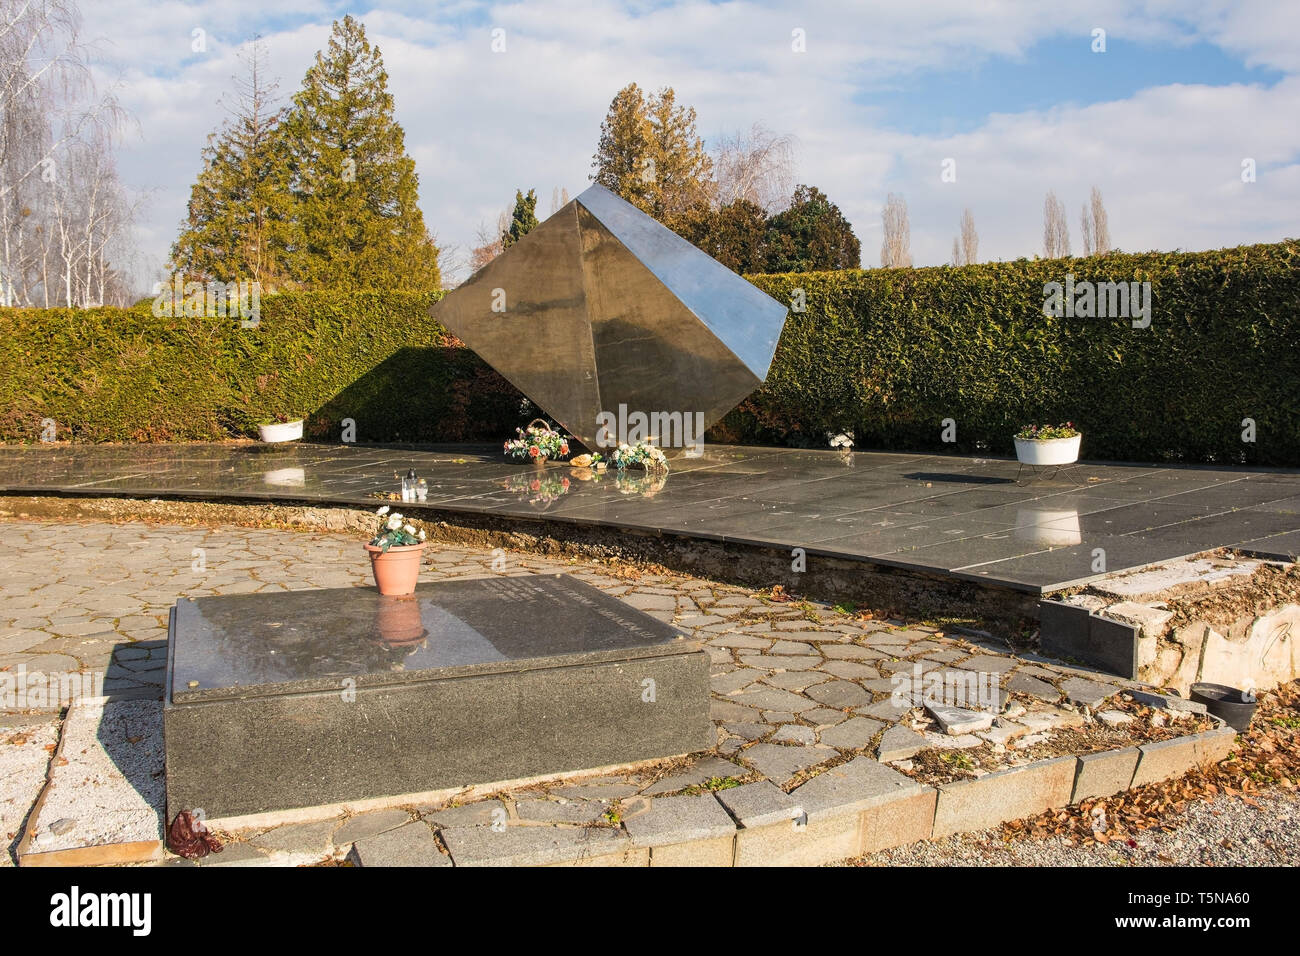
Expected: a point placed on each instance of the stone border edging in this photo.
(850, 810)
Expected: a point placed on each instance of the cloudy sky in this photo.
(880, 97)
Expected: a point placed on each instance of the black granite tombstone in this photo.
(307, 698)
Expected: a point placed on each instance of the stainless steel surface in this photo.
(541, 342)
(607, 309)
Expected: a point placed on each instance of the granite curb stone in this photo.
(1166, 759)
(1004, 795)
(1104, 774)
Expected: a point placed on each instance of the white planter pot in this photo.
(280, 431)
(1054, 451)
(286, 477)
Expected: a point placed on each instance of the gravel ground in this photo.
(1221, 832)
(24, 761)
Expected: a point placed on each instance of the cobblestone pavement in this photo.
(795, 684)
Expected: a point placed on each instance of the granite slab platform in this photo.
(281, 701)
(971, 519)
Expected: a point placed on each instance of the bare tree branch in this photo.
(896, 249)
(758, 166)
(1056, 231)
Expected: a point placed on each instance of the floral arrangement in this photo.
(646, 486)
(394, 531)
(842, 440)
(1047, 432)
(642, 454)
(538, 490)
(538, 442)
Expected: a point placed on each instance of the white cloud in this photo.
(480, 125)
(1167, 161)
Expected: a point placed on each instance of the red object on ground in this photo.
(188, 837)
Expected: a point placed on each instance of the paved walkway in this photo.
(794, 685)
(967, 518)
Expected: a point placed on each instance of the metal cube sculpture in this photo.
(602, 311)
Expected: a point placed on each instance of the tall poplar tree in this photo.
(354, 187)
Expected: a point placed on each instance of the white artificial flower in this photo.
(394, 522)
(408, 529)
(382, 511)
(421, 534)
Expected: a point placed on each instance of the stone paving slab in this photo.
(700, 773)
(366, 825)
(899, 743)
(581, 812)
(760, 804)
(858, 785)
(853, 734)
(539, 846)
(312, 838)
(483, 813)
(680, 820)
(1086, 692)
(780, 763)
(411, 844)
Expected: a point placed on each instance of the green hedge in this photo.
(887, 353)
(126, 375)
(891, 353)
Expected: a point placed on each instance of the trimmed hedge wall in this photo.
(125, 375)
(891, 353)
(887, 353)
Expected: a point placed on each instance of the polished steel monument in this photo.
(602, 314)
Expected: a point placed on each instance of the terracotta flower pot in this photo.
(398, 569)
